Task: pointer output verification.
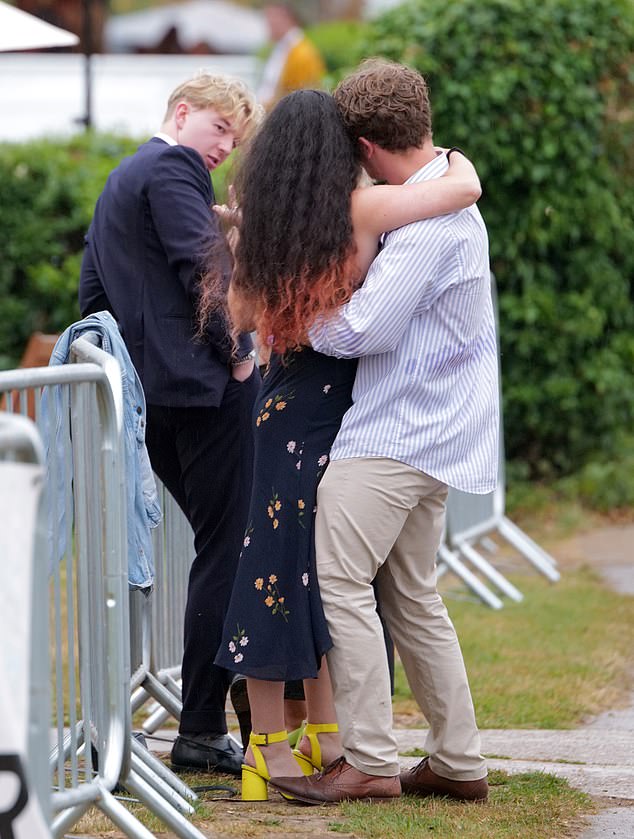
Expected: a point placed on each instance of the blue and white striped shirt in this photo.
(426, 390)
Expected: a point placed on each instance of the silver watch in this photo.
(243, 359)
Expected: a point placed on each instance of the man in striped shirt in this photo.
(425, 417)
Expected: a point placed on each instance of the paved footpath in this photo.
(611, 552)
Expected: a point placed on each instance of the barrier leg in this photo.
(161, 808)
(543, 561)
(488, 571)
(469, 578)
(65, 820)
(156, 719)
(441, 568)
(159, 692)
(171, 684)
(123, 818)
(159, 768)
(166, 792)
(138, 699)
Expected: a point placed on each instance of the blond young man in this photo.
(145, 251)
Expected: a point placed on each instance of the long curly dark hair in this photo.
(295, 256)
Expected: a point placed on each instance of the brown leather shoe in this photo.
(422, 780)
(339, 781)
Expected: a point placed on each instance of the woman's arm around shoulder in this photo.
(378, 209)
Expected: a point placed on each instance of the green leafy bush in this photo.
(48, 191)
(47, 195)
(541, 95)
(339, 42)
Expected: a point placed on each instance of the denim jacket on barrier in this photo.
(143, 509)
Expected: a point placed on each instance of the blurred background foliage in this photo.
(541, 96)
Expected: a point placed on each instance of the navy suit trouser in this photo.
(204, 456)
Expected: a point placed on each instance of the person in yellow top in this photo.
(294, 61)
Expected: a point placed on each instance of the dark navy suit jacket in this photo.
(152, 227)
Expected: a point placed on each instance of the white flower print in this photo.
(298, 465)
(238, 658)
(247, 541)
(327, 388)
(232, 647)
(290, 446)
(305, 578)
(244, 641)
(323, 460)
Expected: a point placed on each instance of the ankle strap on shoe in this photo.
(269, 737)
(321, 728)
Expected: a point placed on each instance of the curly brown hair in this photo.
(387, 103)
(294, 260)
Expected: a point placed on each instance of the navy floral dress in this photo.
(275, 627)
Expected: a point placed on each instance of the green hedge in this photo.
(548, 121)
(339, 42)
(48, 191)
(47, 195)
(541, 95)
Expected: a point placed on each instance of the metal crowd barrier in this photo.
(93, 752)
(473, 519)
(158, 619)
(24, 691)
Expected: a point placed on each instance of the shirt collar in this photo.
(434, 169)
(166, 138)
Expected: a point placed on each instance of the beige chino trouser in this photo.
(380, 518)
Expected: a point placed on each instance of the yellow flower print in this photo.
(301, 504)
(275, 505)
(279, 402)
(273, 599)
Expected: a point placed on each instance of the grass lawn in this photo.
(544, 663)
(528, 806)
(561, 654)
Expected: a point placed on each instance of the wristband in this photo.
(455, 148)
(243, 360)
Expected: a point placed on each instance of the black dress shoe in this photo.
(240, 702)
(211, 752)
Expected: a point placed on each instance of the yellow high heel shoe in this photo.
(296, 735)
(255, 778)
(314, 762)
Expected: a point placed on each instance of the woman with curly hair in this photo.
(307, 236)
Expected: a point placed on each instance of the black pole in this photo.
(88, 43)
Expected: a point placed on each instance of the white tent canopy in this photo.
(224, 26)
(22, 31)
